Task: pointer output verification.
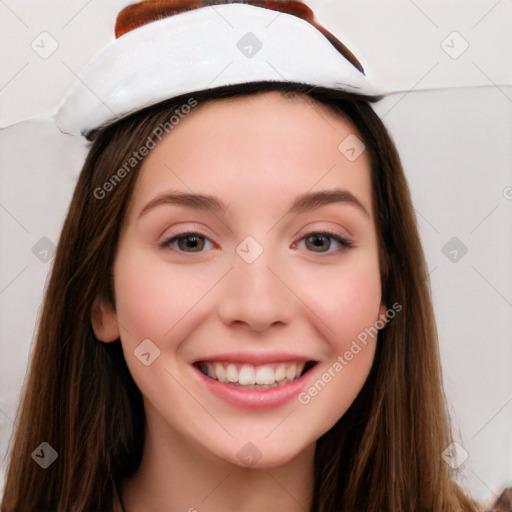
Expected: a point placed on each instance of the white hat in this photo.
(199, 49)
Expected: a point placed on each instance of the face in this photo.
(245, 315)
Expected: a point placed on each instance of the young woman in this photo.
(238, 315)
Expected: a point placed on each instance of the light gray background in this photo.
(452, 125)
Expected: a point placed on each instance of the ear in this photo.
(104, 320)
(383, 313)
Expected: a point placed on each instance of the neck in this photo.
(177, 475)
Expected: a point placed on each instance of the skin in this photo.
(256, 154)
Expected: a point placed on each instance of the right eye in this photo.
(185, 241)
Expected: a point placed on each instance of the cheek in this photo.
(346, 299)
(144, 304)
(349, 316)
(155, 298)
(157, 301)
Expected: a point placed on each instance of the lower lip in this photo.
(255, 399)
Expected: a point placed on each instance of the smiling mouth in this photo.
(250, 376)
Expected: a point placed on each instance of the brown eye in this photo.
(186, 242)
(318, 243)
(194, 243)
(321, 242)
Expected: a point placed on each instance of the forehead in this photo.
(257, 150)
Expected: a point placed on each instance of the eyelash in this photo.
(344, 242)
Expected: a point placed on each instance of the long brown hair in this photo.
(383, 455)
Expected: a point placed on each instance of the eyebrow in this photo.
(305, 202)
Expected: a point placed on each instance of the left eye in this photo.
(193, 241)
(322, 241)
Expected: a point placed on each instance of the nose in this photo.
(256, 295)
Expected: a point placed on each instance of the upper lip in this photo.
(255, 358)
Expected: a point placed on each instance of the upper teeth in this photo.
(250, 375)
